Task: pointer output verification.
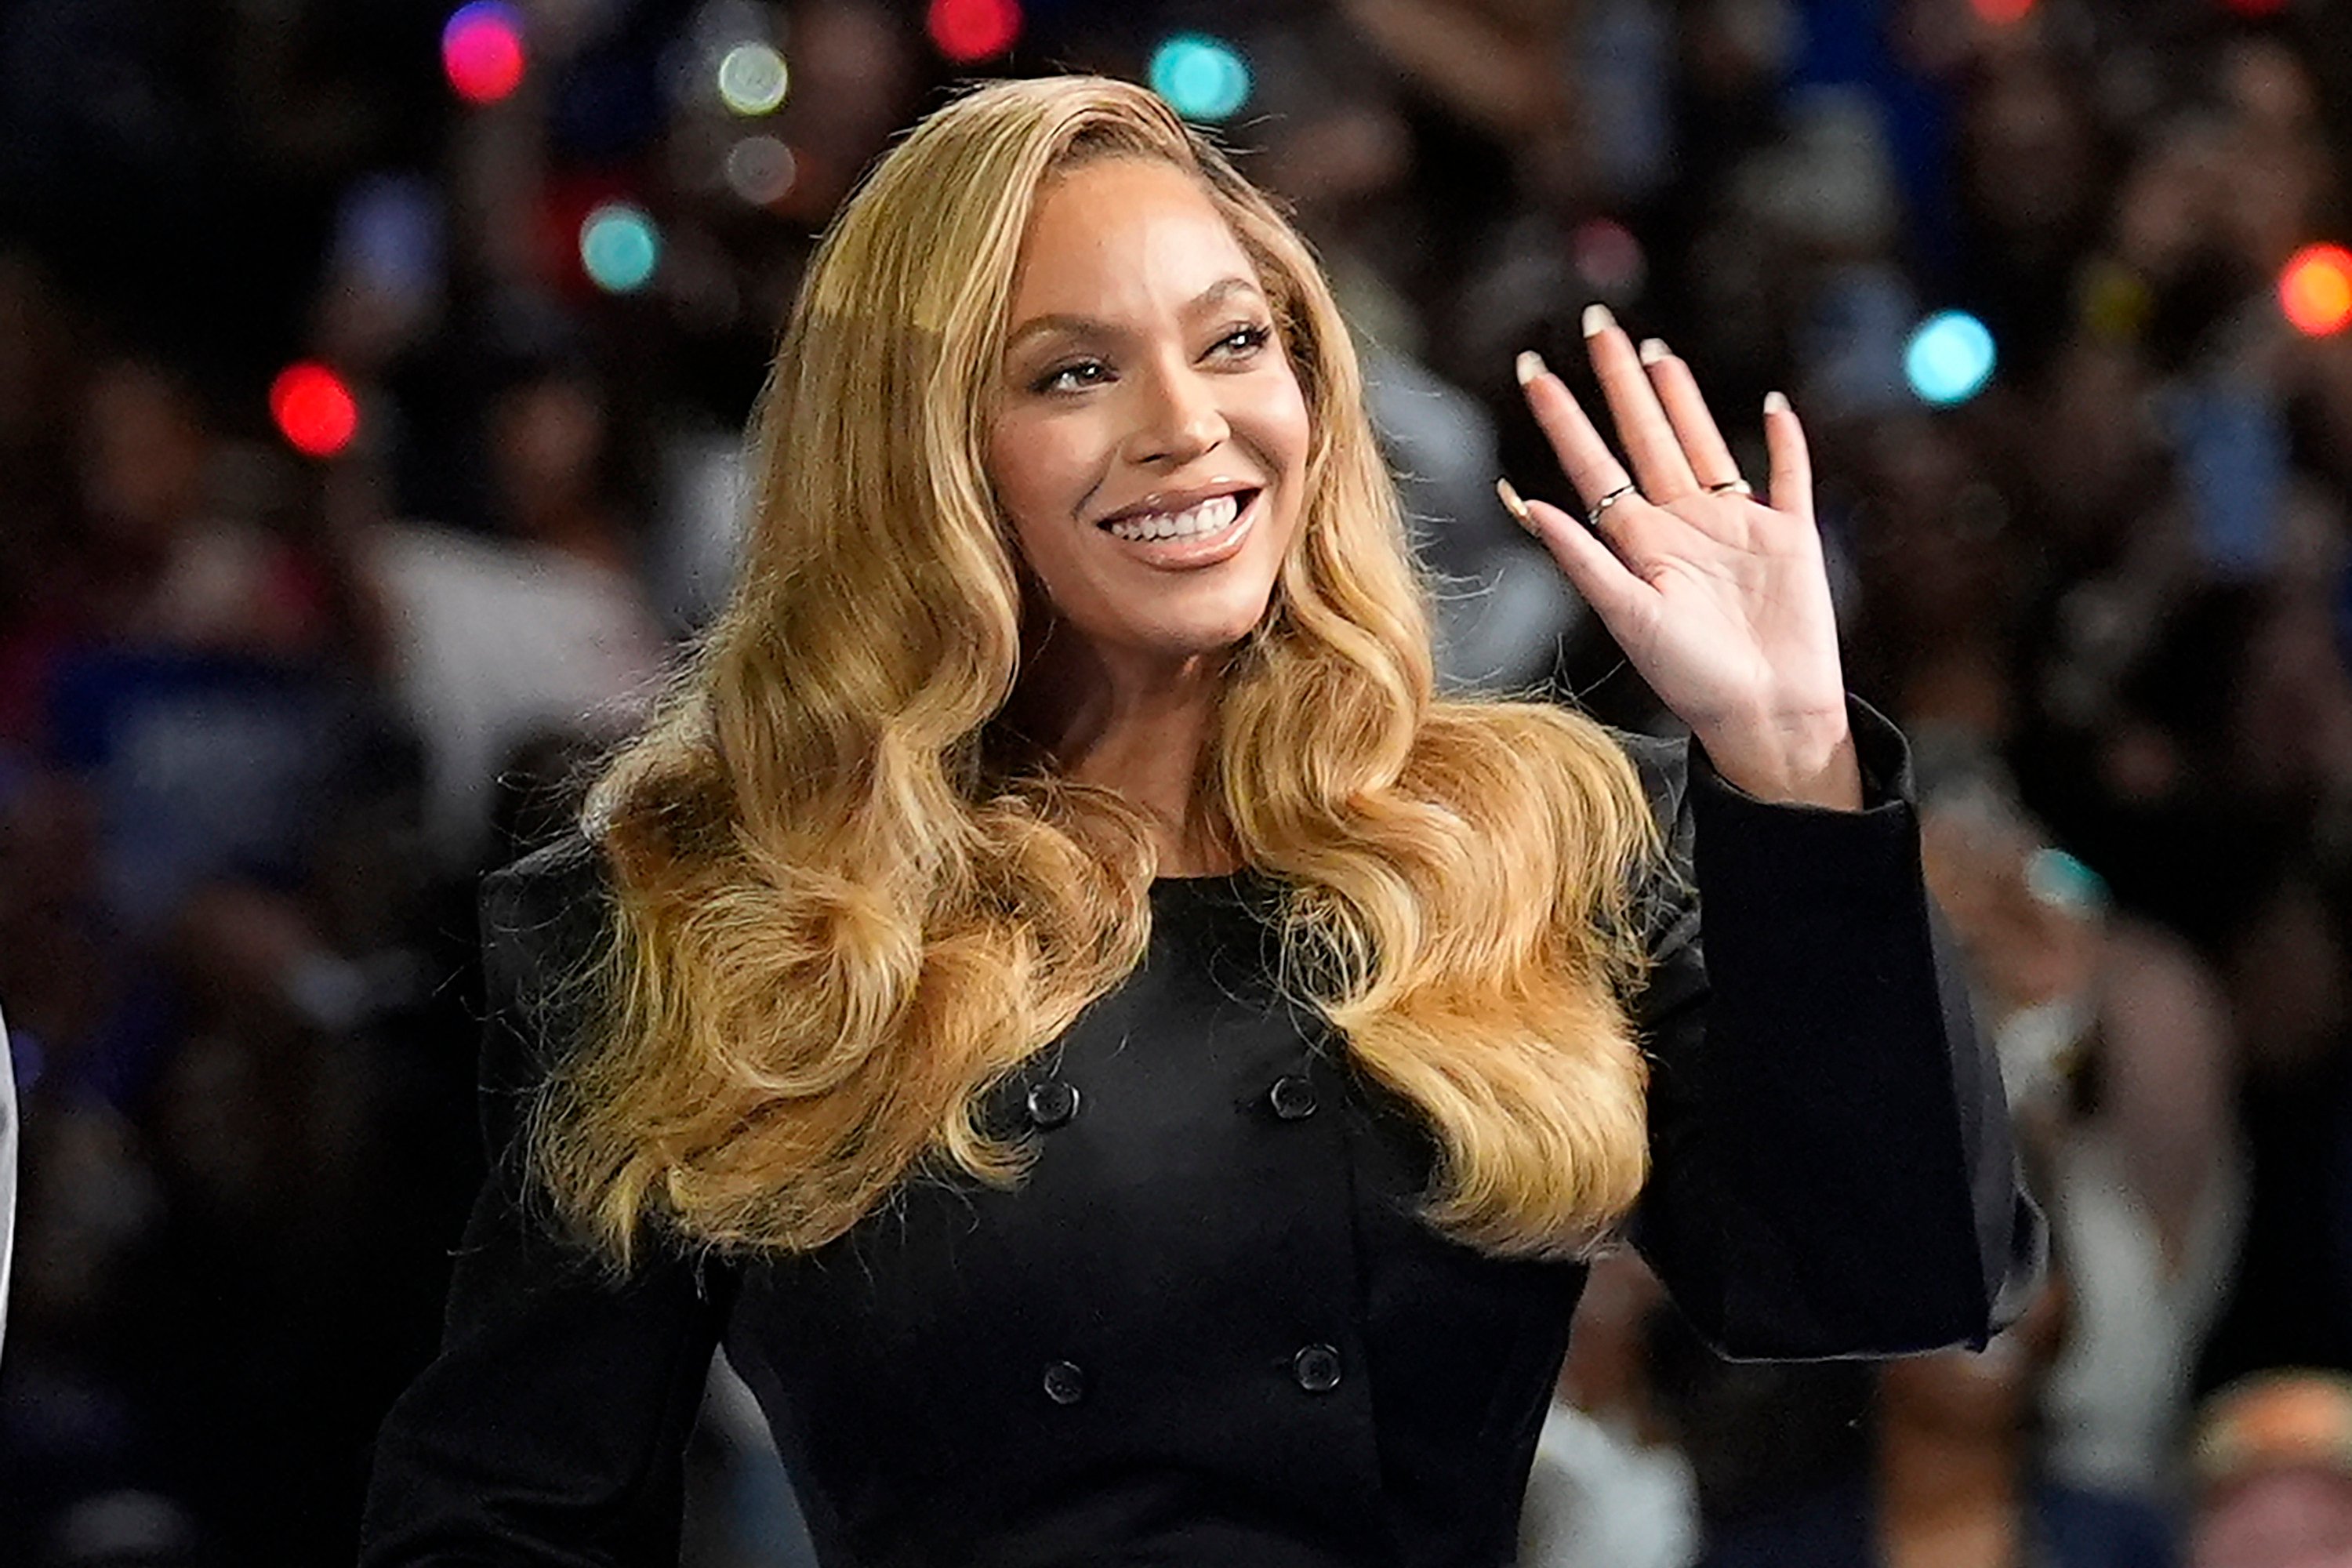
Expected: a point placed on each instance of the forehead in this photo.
(1123, 236)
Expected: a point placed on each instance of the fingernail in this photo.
(1775, 402)
(1653, 350)
(1514, 505)
(1597, 321)
(1529, 365)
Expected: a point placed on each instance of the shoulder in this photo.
(545, 919)
(542, 911)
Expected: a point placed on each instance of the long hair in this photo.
(840, 913)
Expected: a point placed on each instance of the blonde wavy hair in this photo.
(846, 903)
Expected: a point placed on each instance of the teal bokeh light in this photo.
(1949, 359)
(1202, 78)
(619, 247)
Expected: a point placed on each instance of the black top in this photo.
(1208, 1328)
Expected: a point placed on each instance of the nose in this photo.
(1179, 418)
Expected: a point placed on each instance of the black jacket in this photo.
(1207, 1330)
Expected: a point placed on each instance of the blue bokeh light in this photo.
(1949, 359)
(619, 247)
(1202, 78)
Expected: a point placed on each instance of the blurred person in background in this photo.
(2272, 1456)
(496, 640)
(1608, 1483)
(1954, 1479)
(2115, 1043)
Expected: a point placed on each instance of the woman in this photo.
(1126, 1071)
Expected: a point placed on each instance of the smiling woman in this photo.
(1129, 1071)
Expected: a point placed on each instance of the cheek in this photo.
(1277, 412)
(1038, 477)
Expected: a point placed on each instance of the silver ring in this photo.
(1593, 518)
(1732, 487)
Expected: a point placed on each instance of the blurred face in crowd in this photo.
(547, 444)
(1151, 438)
(144, 451)
(2298, 1518)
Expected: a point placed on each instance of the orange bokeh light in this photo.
(2316, 290)
(2003, 13)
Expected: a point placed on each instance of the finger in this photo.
(1792, 464)
(1703, 444)
(1612, 590)
(1659, 462)
(1583, 456)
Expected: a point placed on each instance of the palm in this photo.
(1720, 601)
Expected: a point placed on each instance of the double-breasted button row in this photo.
(1052, 1102)
(1315, 1368)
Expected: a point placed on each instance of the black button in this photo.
(1292, 1096)
(1066, 1382)
(1316, 1368)
(1052, 1102)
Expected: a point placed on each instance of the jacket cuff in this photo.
(1879, 748)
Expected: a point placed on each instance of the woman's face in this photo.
(1151, 444)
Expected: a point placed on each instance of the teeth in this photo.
(1206, 517)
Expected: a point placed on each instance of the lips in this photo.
(1170, 503)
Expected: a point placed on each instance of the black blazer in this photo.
(1208, 1328)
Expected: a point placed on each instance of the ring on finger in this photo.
(1593, 518)
(1733, 487)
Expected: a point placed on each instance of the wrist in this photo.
(1807, 760)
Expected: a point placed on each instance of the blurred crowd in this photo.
(266, 714)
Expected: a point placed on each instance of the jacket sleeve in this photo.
(552, 1427)
(1831, 1173)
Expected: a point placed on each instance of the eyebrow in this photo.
(1088, 327)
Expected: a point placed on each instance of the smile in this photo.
(1199, 535)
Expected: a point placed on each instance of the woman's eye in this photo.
(1245, 339)
(1070, 377)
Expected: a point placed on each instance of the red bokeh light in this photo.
(2316, 290)
(481, 51)
(314, 410)
(2003, 13)
(2254, 7)
(967, 31)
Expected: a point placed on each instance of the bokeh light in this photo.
(1608, 257)
(762, 170)
(1949, 358)
(2254, 7)
(619, 247)
(2003, 13)
(967, 31)
(2316, 290)
(1202, 78)
(752, 80)
(482, 52)
(313, 409)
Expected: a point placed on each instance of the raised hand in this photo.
(1720, 600)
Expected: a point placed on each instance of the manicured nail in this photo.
(1653, 350)
(1529, 365)
(1514, 505)
(1597, 321)
(1775, 402)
